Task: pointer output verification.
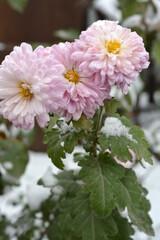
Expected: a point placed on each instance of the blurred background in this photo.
(47, 22)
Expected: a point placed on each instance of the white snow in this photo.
(39, 166)
(114, 127)
(109, 7)
(8, 165)
(4, 129)
(32, 193)
(152, 133)
(36, 195)
(152, 18)
(133, 21)
(48, 178)
(149, 178)
(66, 128)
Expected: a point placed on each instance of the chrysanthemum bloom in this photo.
(26, 87)
(115, 53)
(84, 93)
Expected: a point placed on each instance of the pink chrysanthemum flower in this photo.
(84, 93)
(26, 87)
(115, 53)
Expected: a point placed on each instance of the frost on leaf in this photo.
(61, 141)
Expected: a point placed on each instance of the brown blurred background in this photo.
(38, 21)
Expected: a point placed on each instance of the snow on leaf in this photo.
(120, 137)
(60, 142)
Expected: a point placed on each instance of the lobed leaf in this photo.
(83, 123)
(101, 180)
(125, 229)
(54, 149)
(133, 197)
(120, 145)
(111, 106)
(15, 153)
(69, 182)
(59, 143)
(87, 224)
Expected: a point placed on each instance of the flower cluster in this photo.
(69, 78)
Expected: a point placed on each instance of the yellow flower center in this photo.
(25, 91)
(72, 76)
(113, 46)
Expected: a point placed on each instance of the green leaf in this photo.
(64, 224)
(68, 181)
(18, 5)
(87, 224)
(53, 230)
(59, 142)
(130, 7)
(120, 145)
(67, 34)
(128, 99)
(156, 49)
(133, 197)
(83, 123)
(14, 152)
(71, 140)
(4, 224)
(54, 149)
(111, 106)
(47, 207)
(141, 148)
(101, 180)
(125, 229)
(52, 122)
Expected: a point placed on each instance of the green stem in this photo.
(99, 120)
(97, 130)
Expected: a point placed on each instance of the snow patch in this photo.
(133, 21)
(114, 127)
(66, 128)
(109, 7)
(152, 18)
(4, 129)
(8, 165)
(48, 178)
(36, 195)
